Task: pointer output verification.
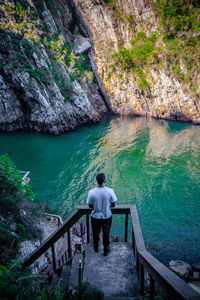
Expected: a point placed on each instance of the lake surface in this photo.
(152, 163)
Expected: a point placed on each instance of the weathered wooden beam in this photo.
(172, 286)
(133, 241)
(141, 279)
(53, 238)
(118, 209)
(53, 257)
(152, 288)
(139, 242)
(126, 228)
(88, 228)
(69, 244)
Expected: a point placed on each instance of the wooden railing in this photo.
(172, 286)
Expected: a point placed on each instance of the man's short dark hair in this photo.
(100, 178)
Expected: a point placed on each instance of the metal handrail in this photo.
(173, 287)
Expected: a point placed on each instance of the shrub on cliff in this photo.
(12, 191)
(17, 217)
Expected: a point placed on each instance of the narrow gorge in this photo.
(67, 63)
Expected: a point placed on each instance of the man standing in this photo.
(100, 199)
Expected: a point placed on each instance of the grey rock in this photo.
(51, 25)
(166, 96)
(181, 268)
(38, 101)
(81, 44)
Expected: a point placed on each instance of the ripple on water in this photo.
(152, 163)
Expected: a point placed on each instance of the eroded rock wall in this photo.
(46, 78)
(161, 94)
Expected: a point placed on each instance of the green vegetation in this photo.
(12, 189)
(180, 22)
(15, 228)
(108, 2)
(16, 282)
(24, 30)
(138, 56)
(75, 64)
(19, 20)
(175, 45)
(179, 16)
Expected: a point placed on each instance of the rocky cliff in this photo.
(65, 63)
(47, 82)
(147, 54)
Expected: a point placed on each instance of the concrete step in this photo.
(54, 282)
(65, 275)
(115, 275)
(74, 275)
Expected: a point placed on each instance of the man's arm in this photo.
(113, 199)
(90, 200)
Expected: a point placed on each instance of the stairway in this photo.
(115, 275)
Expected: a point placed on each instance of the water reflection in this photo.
(155, 164)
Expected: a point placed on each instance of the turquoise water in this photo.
(152, 163)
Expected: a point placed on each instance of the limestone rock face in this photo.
(57, 68)
(45, 84)
(112, 27)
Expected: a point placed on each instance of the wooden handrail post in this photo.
(137, 264)
(141, 279)
(53, 257)
(80, 271)
(126, 228)
(69, 244)
(133, 242)
(88, 228)
(152, 288)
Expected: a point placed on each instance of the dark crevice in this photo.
(84, 30)
(78, 20)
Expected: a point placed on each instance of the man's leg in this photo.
(106, 231)
(96, 228)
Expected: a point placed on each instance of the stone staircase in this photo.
(115, 275)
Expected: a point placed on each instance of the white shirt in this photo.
(101, 198)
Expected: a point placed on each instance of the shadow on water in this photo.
(152, 163)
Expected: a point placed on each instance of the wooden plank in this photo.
(53, 238)
(126, 228)
(53, 257)
(69, 244)
(172, 286)
(152, 288)
(137, 229)
(141, 279)
(118, 209)
(133, 242)
(88, 228)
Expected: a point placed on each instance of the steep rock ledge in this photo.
(46, 78)
(143, 86)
